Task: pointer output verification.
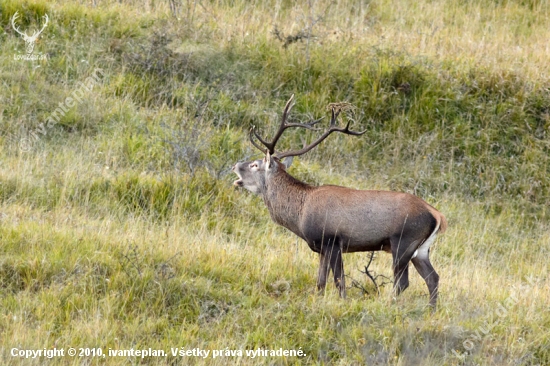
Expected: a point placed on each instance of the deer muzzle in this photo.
(238, 182)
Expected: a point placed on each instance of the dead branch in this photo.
(290, 39)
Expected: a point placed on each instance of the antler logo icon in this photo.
(29, 40)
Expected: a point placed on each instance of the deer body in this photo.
(362, 220)
(335, 220)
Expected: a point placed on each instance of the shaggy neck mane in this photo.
(284, 198)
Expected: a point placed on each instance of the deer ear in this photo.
(288, 162)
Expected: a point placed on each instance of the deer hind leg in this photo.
(402, 255)
(426, 270)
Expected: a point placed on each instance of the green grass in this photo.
(120, 227)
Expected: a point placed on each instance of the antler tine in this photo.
(271, 146)
(282, 127)
(15, 16)
(265, 143)
(333, 128)
(251, 136)
(334, 116)
(45, 24)
(308, 125)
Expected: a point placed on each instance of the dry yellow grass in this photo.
(109, 238)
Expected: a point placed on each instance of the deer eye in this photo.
(253, 165)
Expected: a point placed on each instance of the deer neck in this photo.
(284, 197)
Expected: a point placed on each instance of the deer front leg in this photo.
(337, 266)
(400, 279)
(324, 262)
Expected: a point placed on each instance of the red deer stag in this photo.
(335, 220)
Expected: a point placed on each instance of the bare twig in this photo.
(290, 39)
(310, 20)
(132, 259)
(373, 277)
(357, 285)
(164, 270)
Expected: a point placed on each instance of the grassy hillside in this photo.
(120, 227)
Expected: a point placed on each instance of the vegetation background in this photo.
(120, 227)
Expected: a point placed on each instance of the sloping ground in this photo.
(120, 227)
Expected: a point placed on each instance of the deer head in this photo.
(29, 40)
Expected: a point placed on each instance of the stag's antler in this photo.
(335, 108)
(35, 34)
(271, 145)
(15, 16)
(333, 128)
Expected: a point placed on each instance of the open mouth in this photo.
(239, 182)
